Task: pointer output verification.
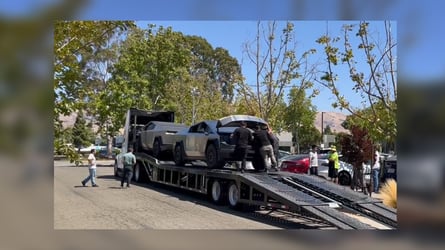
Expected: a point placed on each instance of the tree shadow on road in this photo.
(284, 220)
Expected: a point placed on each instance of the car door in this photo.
(201, 140)
(147, 136)
(190, 144)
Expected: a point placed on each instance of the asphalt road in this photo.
(150, 206)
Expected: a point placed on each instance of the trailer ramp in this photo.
(356, 201)
(275, 191)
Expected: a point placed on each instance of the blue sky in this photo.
(421, 37)
(420, 31)
(232, 35)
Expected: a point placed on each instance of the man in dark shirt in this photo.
(242, 138)
(263, 140)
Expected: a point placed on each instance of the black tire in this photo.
(344, 178)
(212, 157)
(139, 174)
(178, 157)
(217, 192)
(233, 196)
(156, 148)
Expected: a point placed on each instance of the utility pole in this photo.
(322, 143)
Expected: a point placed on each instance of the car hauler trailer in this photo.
(286, 191)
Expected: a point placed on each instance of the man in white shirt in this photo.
(91, 169)
(376, 172)
(313, 161)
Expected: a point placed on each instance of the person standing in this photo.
(263, 140)
(334, 164)
(356, 157)
(313, 159)
(91, 169)
(375, 172)
(275, 144)
(242, 137)
(129, 161)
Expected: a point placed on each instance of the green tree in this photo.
(77, 45)
(299, 119)
(216, 67)
(376, 84)
(159, 65)
(278, 66)
(327, 130)
(82, 134)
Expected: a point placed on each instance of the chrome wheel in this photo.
(233, 195)
(216, 191)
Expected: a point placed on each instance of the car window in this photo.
(294, 157)
(203, 128)
(194, 128)
(150, 126)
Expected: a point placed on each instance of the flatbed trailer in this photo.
(278, 190)
(241, 190)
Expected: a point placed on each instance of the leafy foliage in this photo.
(299, 119)
(104, 68)
(376, 84)
(77, 45)
(356, 147)
(278, 67)
(82, 134)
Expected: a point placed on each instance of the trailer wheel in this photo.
(216, 192)
(233, 195)
(156, 148)
(138, 173)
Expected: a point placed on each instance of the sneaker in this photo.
(83, 183)
(95, 185)
(128, 186)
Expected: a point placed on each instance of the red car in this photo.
(295, 164)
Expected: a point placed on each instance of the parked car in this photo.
(87, 150)
(157, 137)
(282, 153)
(300, 164)
(211, 141)
(345, 172)
(295, 163)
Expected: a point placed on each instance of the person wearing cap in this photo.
(334, 164)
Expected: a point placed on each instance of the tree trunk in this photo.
(109, 146)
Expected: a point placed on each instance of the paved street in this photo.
(147, 206)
